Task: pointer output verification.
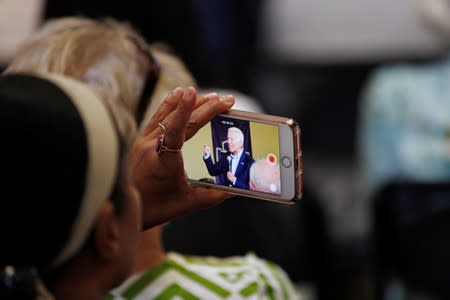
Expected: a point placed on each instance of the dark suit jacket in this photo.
(222, 166)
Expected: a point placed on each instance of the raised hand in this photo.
(160, 176)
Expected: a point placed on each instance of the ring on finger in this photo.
(162, 126)
(160, 147)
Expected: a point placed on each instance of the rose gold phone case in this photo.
(298, 164)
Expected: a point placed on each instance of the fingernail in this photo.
(190, 93)
(211, 96)
(228, 99)
(177, 92)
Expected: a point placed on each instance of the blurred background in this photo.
(368, 82)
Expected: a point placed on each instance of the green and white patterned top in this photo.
(182, 277)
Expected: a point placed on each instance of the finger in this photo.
(197, 199)
(205, 98)
(139, 151)
(177, 121)
(169, 104)
(201, 100)
(204, 197)
(206, 112)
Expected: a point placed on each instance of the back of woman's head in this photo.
(61, 159)
(102, 54)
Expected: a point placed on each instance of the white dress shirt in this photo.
(235, 161)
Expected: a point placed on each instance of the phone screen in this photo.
(236, 153)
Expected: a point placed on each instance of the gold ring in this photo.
(162, 126)
(160, 147)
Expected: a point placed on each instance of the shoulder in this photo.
(241, 275)
(237, 277)
(392, 88)
(276, 276)
(247, 156)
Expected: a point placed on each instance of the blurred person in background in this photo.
(403, 122)
(404, 151)
(405, 163)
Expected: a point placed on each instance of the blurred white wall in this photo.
(243, 101)
(330, 31)
(18, 19)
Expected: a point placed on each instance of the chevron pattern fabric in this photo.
(182, 277)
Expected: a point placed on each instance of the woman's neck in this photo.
(84, 278)
(151, 250)
(80, 288)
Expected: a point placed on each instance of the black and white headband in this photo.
(102, 169)
(100, 165)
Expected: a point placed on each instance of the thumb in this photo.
(204, 198)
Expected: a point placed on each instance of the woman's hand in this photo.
(160, 177)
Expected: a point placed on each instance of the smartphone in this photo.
(246, 153)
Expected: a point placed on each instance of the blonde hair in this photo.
(103, 55)
(173, 73)
(99, 53)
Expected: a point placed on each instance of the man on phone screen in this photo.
(235, 163)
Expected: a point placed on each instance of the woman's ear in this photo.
(107, 233)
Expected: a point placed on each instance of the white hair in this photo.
(237, 133)
(265, 177)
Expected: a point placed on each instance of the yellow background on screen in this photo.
(265, 140)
